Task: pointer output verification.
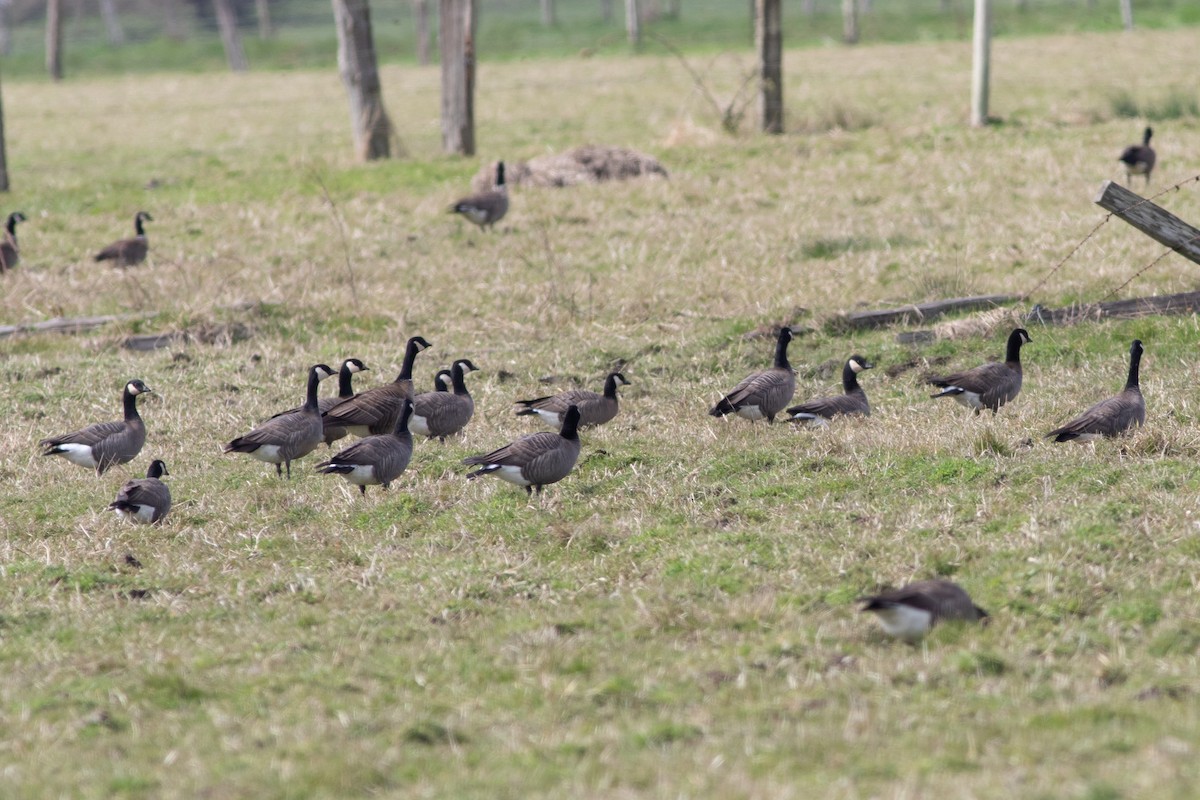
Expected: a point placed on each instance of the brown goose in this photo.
(443, 414)
(486, 208)
(1113, 416)
(594, 409)
(374, 411)
(10, 254)
(129, 252)
(146, 500)
(536, 459)
(852, 401)
(287, 437)
(989, 385)
(442, 380)
(345, 391)
(911, 611)
(764, 394)
(1139, 158)
(104, 444)
(375, 460)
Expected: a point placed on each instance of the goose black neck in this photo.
(410, 357)
(1013, 353)
(401, 429)
(310, 399)
(1135, 360)
(610, 387)
(570, 426)
(781, 359)
(129, 400)
(1146, 137)
(11, 226)
(157, 469)
(456, 379)
(345, 388)
(137, 225)
(500, 174)
(849, 379)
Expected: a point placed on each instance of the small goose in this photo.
(345, 392)
(283, 439)
(144, 500)
(852, 401)
(486, 208)
(10, 254)
(374, 412)
(443, 414)
(1139, 158)
(911, 611)
(594, 409)
(442, 380)
(989, 385)
(536, 459)
(764, 394)
(375, 460)
(1113, 416)
(129, 252)
(104, 444)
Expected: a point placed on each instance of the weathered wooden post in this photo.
(262, 10)
(54, 39)
(1127, 14)
(981, 66)
(112, 23)
(768, 39)
(5, 27)
(549, 18)
(606, 10)
(458, 76)
(421, 13)
(633, 22)
(4, 187)
(230, 38)
(849, 21)
(1153, 220)
(360, 74)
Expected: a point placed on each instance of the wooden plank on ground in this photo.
(63, 325)
(1183, 303)
(1152, 220)
(922, 312)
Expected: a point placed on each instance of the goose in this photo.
(989, 385)
(374, 411)
(443, 414)
(443, 380)
(486, 208)
(283, 439)
(345, 391)
(375, 460)
(594, 409)
(129, 252)
(536, 459)
(146, 500)
(1139, 158)
(10, 254)
(1113, 416)
(104, 444)
(764, 394)
(852, 401)
(911, 611)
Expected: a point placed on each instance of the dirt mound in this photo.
(587, 164)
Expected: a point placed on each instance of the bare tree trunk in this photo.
(4, 187)
(849, 21)
(1127, 14)
(421, 13)
(633, 22)
(549, 17)
(768, 37)
(5, 27)
(54, 39)
(112, 23)
(457, 24)
(360, 74)
(606, 10)
(171, 25)
(262, 10)
(227, 21)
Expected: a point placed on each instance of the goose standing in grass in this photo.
(762, 395)
(375, 460)
(374, 412)
(283, 439)
(1139, 158)
(129, 252)
(486, 208)
(536, 459)
(104, 444)
(1113, 416)
(911, 611)
(10, 254)
(989, 385)
(146, 500)
(852, 401)
(594, 408)
(442, 380)
(441, 414)
(345, 392)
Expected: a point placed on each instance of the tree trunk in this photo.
(360, 74)
(457, 25)
(112, 23)
(981, 64)
(768, 38)
(4, 187)
(5, 28)
(1127, 14)
(549, 18)
(849, 21)
(421, 12)
(606, 10)
(171, 25)
(262, 10)
(227, 21)
(54, 39)
(633, 22)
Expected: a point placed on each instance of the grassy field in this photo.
(677, 618)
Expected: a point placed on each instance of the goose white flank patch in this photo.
(911, 611)
(762, 395)
(1113, 416)
(104, 444)
(989, 385)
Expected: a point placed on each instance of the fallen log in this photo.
(1182, 303)
(64, 325)
(921, 312)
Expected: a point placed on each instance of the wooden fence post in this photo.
(54, 39)
(768, 37)
(4, 187)
(633, 22)
(1127, 14)
(981, 66)
(112, 23)
(262, 10)
(360, 74)
(458, 76)
(849, 21)
(1156, 222)
(549, 18)
(421, 12)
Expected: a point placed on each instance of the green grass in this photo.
(678, 617)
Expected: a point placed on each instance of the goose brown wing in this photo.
(145, 492)
(90, 436)
(520, 452)
(770, 390)
(372, 408)
(993, 381)
(444, 412)
(943, 599)
(855, 403)
(1109, 417)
